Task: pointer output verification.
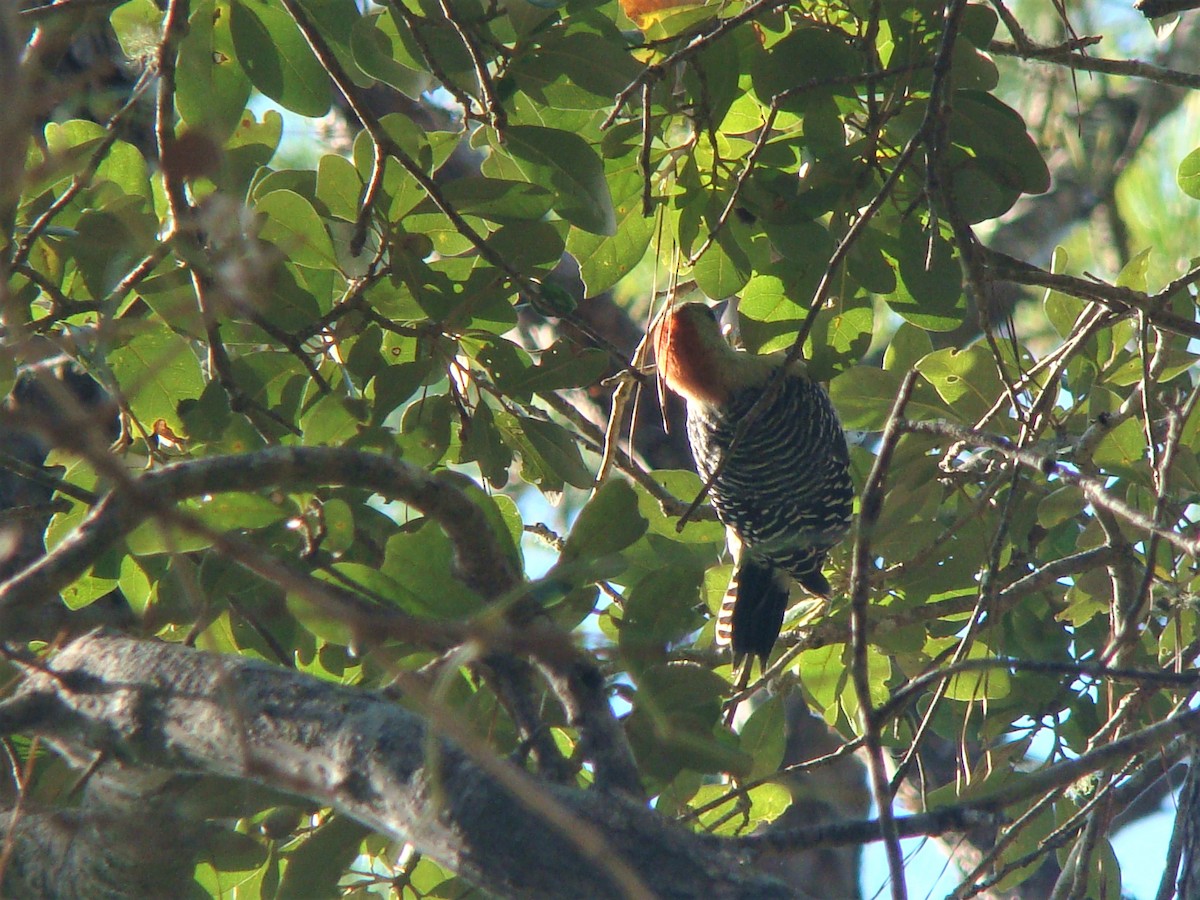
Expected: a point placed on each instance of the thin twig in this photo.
(64, 7)
(492, 107)
(415, 27)
(370, 196)
(841, 834)
(870, 508)
(1189, 801)
(1068, 55)
(766, 132)
(83, 178)
(1114, 297)
(656, 71)
(1093, 488)
(644, 151)
(916, 687)
(525, 285)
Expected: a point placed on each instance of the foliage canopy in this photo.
(350, 370)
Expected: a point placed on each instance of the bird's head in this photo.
(690, 353)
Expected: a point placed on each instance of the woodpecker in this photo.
(785, 493)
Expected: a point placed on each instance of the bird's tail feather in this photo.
(752, 609)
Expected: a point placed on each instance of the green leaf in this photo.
(764, 737)
(379, 52)
(138, 27)
(989, 684)
(498, 199)
(1122, 448)
(768, 802)
(338, 518)
(563, 365)
(660, 608)
(1189, 174)
(316, 866)
(907, 346)
(808, 54)
(603, 261)
(552, 299)
(724, 268)
(154, 537)
(686, 688)
(105, 245)
(425, 430)
(422, 564)
(712, 78)
(319, 621)
(770, 317)
(502, 515)
(334, 20)
(838, 340)
(211, 88)
(1133, 274)
(294, 227)
(504, 361)
(879, 671)
(252, 146)
(1174, 363)
(238, 510)
(930, 292)
(156, 370)
(864, 396)
(966, 379)
(277, 59)
(565, 164)
(674, 723)
(534, 470)
(669, 22)
(979, 25)
(557, 450)
(87, 589)
(868, 265)
(436, 49)
(1061, 505)
(528, 246)
(339, 186)
(482, 444)
(980, 192)
(139, 583)
(971, 68)
(330, 422)
(1062, 310)
(608, 523)
(579, 70)
(683, 485)
(996, 133)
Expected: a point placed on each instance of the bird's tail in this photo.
(752, 609)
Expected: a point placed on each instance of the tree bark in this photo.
(164, 710)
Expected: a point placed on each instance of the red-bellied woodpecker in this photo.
(784, 495)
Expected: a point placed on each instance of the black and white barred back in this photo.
(786, 495)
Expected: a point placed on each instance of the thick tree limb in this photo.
(167, 708)
(121, 511)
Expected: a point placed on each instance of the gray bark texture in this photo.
(143, 712)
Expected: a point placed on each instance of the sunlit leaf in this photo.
(567, 166)
(277, 59)
(212, 88)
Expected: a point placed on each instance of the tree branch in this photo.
(480, 562)
(166, 707)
